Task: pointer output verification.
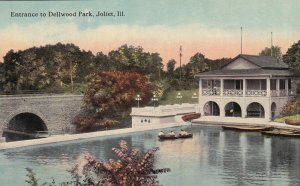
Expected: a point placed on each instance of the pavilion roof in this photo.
(246, 73)
(266, 66)
(262, 61)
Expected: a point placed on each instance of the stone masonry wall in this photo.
(57, 111)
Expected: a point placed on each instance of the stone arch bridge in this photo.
(29, 113)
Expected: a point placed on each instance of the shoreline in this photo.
(270, 123)
(73, 137)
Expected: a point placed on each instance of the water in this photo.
(212, 157)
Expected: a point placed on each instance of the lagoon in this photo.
(212, 157)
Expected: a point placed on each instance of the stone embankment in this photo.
(71, 137)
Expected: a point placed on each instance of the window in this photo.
(239, 84)
(273, 84)
(282, 84)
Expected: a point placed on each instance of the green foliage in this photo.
(43, 67)
(292, 58)
(61, 64)
(275, 51)
(88, 121)
(158, 88)
(170, 97)
(217, 63)
(283, 118)
(130, 58)
(197, 64)
(289, 109)
(171, 67)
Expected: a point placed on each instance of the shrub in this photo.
(289, 109)
(87, 121)
(131, 168)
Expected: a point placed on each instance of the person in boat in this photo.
(161, 133)
(183, 133)
(171, 134)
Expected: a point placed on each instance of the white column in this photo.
(244, 87)
(222, 109)
(268, 87)
(267, 107)
(277, 86)
(286, 87)
(244, 110)
(222, 87)
(200, 87)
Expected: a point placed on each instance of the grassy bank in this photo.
(186, 97)
(282, 119)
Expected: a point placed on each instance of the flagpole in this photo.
(180, 54)
(241, 40)
(271, 43)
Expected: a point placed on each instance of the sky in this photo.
(211, 27)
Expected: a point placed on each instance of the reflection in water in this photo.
(285, 155)
(211, 157)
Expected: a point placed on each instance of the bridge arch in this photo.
(24, 120)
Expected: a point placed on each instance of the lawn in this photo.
(282, 119)
(171, 97)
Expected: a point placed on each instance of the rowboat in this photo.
(168, 137)
(41, 134)
(246, 128)
(292, 122)
(282, 132)
(189, 135)
(189, 117)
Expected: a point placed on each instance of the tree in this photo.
(274, 51)
(109, 97)
(43, 67)
(114, 90)
(196, 65)
(134, 58)
(292, 58)
(101, 63)
(171, 67)
(217, 63)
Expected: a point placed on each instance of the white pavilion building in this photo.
(246, 88)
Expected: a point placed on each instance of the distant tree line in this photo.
(291, 57)
(53, 67)
(197, 64)
(109, 82)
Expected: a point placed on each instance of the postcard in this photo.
(137, 92)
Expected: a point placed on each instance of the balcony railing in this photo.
(232, 92)
(239, 93)
(274, 93)
(256, 92)
(282, 92)
(211, 92)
